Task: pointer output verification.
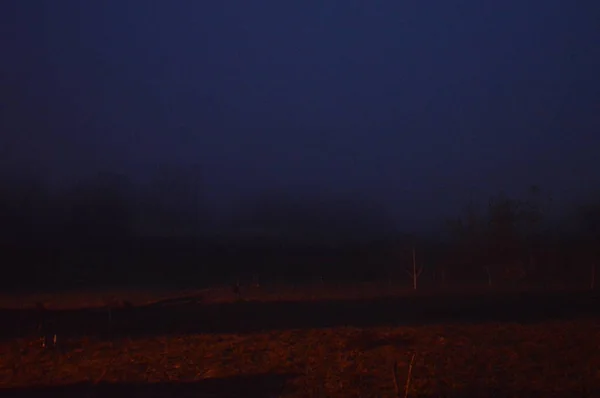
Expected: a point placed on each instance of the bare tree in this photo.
(495, 239)
(415, 271)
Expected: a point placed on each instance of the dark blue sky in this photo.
(418, 105)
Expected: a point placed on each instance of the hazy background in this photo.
(418, 106)
(164, 118)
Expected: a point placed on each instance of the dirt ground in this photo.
(355, 348)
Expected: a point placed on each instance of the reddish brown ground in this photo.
(551, 358)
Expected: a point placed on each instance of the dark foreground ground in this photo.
(496, 344)
(192, 315)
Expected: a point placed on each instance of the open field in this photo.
(494, 344)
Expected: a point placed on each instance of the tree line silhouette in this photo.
(106, 230)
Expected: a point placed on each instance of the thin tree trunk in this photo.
(489, 275)
(415, 276)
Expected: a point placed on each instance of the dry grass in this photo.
(548, 359)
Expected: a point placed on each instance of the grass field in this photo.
(498, 344)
